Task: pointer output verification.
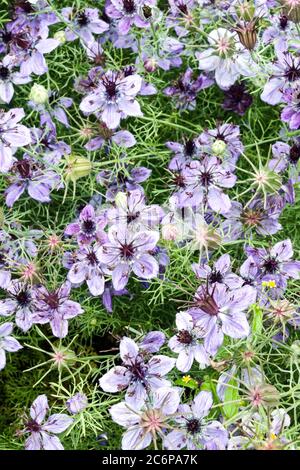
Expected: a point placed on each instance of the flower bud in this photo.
(121, 200)
(60, 36)
(247, 33)
(77, 403)
(38, 94)
(291, 9)
(77, 167)
(218, 147)
(150, 65)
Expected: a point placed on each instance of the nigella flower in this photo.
(185, 89)
(237, 99)
(7, 342)
(259, 216)
(276, 264)
(54, 307)
(53, 108)
(227, 57)
(285, 157)
(123, 180)
(77, 403)
(89, 226)
(285, 71)
(132, 212)
(106, 136)
(114, 98)
(126, 251)
(188, 344)
(87, 267)
(20, 301)
(291, 112)
(8, 78)
(223, 142)
(180, 16)
(108, 294)
(194, 430)
(165, 55)
(12, 136)
(279, 33)
(220, 273)
(83, 24)
(31, 176)
(43, 434)
(146, 423)
(130, 12)
(139, 373)
(204, 181)
(45, 144)
(220, 311)
(184, 153)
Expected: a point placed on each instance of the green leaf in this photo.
(257, 322)
(231, 394)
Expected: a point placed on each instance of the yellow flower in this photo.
(271, 284)
(186, 379)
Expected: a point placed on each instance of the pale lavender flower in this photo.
(12, 136)
(114, 98)
(88, 227)
(152, 342)
(279, 33)
(184, 153)
(123, 180)
(291, 112)
(54, 307)
(226, 57)
(7, 342)
(43, 435)
(77, 403)
(140, 373)
(20, 301)
(180, 16)
(285, 157)
(165, 55)
(53, 108)
(127, 13)
(83, 24)
(126, 252)
(220, 311)
(188, 343)
(220, 273)
(108, 294)
(194, 430)
(146, 423)
(8, 78)
(107, 136)
(45, 144)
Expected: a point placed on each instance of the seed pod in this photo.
(77, 167)
(247, 32)
(291, 9)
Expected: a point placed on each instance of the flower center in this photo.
(206, 178)
(110, 87)
(24, 168)
(4, 73)
(88, 226)
(251, 218)
(283, 21)
(207, 303)
(215, 276)
(32, 426)
(82, 19)
(270, 265)
(52, 300)
(127, 250)
(23, 297)
(129, 6)
(92, 258)
(294, 154)
(189, 147)
(193, 426)
(184, 337)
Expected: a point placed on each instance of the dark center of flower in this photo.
(189, 147)
(24, 168)
(206, 178)
(129, 70)
(129, 6)
(52, 300)
(179, 180)
(207, 303)
(182, 7)
(270, 265)
(23, 297)
(294, 154)
(147, 12)
(132, 217)
(127, 250)
(88, 226)
(26, 6)
(6, 36)
(184, 337)
(251, 217)
(193, 426)
(110, 87)
(32, 426)
(92, 258)
(21, 41)
(138, 369)
(215, 276)
(4, 73)
(283, 21)
(293, 72)
(82, 18)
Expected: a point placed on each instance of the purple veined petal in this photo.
(18, 136)
(2, 359)
(130, 108)
(107, 299)
(44, 46)
(124, 139)
(6, 92)
(19, 79)
(175, 440)
(50, 442)
(153, 341)
(24, 319)
(184, 321)
(233, 281)
(175, 345)
(77, 273)
(272, 92)
(136, 439)
(218, 201)
(5, 278)
(39, 191)
(208, 60)
(146, 267)
(90, 103)
(70, 309)
(213, 340)
(136, 395)
(140, 23)
(13, 192)
(59, 326)
(123, 415)
(61, 116)
(6, 329)
(185, 359)
(235, 326)
(147, 240)
(160, 365)
(7, 307)
(128, 350)
(292, 269)
(132, 84)
(223, 263)
(115, 380)
(10, 344)
(38, 63)
(242, 298)
(96, 284)
(139, 175)
(6, 159)
(66, 102)
(120, 276)
(111, 116)
(215, 436)
(34, 442)
(39, 408)
(124, 25)
(87, 213)
(94, 144)
(201, 356)
(99, 26)
(57, 423)
(295, 121)
(279, 420)
(72, 229)
(202, 403)
(167, 399)
(282, 250)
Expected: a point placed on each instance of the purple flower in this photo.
(152, 342)
(83, 24)
(107, 136)
(184, 153)
(114, 98)
(7, 342)
(54, 307)
(181, 16)
(12, 136)
(129, 13)
(89, 226)
(237, 99)
(53, 108)
(139, 373)
(285, 71)
(285, 157)
(146, 423)
(42, 435)
(165, 54)
(125, 252)
(188, 344)
(185, 90)
(20, 301)
(8, 78)
(87, 267)
(77, 403)
(279, 33)
(221, 311)
(108, 294)
(45, 144)
(124, 180)
(29, 174)
(291, 112)
(204, 181)
(193, 429)
(221, 273)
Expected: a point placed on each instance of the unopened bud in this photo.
(38, 94)
(218, 147)
(60, 36)
(77, 167)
